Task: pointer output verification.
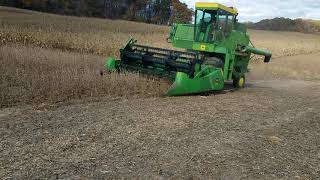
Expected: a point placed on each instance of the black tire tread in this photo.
(236, 82)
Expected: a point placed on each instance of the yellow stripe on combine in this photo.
(217, 6)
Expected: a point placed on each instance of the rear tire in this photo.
(239, 82)
(214, 61)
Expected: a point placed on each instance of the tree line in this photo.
(286, 24)
(150, 11)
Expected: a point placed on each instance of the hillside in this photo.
(72, 51)
(61, 119)
(286, 24)
(105, 36)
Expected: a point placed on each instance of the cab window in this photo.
(222, 22)
(225, 22)
(229, 25)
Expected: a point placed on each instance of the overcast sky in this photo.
(255, 10)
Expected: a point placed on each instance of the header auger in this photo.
(217, 49)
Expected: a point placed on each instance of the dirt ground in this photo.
(268, 130)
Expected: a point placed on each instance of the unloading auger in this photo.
(216, 47)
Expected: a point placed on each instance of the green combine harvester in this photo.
(217, 49)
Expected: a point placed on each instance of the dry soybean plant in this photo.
(35, 75)
(105, 37)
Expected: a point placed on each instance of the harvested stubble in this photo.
(35, 75)
(282, 43)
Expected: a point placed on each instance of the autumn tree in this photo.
(150, 11)
(180, 13)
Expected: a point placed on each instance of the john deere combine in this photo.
(217, 49)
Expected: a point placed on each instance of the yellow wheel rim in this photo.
(241, 82)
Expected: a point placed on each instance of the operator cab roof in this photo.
(216, 6)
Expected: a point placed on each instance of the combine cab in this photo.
(216, 48)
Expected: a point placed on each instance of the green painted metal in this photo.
(111, 64)
(183, 84)
(215, 33)
(249, 49)
(256, 51)
(183, 36)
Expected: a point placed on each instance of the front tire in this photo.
(239, 82)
